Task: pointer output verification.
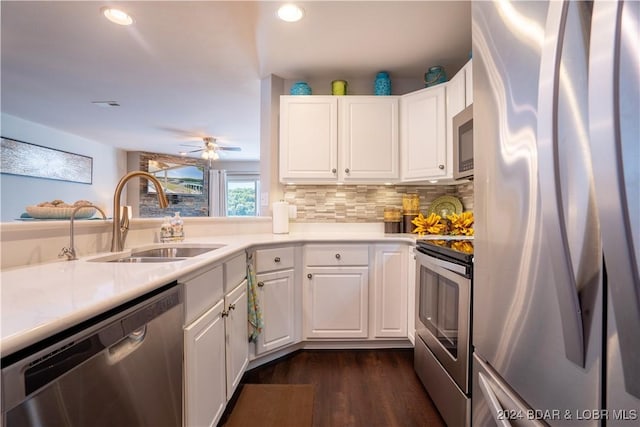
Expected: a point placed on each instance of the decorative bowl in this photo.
(40, 212)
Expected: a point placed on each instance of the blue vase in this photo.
(434, 76)
(382, 85)
(300, 88)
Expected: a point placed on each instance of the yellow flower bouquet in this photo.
(458, 225)
(461, 225)
(428, 225)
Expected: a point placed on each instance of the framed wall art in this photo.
(26, 159)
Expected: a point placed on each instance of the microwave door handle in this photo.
(614, 109)
(553, 213)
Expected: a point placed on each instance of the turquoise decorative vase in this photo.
(434, 76)
(382, 85)
(300, 88)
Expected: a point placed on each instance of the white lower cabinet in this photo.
(390, 288)
(336, 302)
(275, 276)
(276, 296)
(237, 346)
(205, 371)
(216, 351)
(336, 291)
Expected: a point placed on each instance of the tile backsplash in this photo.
(365, 203)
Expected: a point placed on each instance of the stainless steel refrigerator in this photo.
(556, 297)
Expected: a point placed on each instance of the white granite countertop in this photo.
(40, 300)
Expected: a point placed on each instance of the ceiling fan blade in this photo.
(195, 151)
(222, 147)
(197, 135)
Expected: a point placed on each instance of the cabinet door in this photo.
(308, 138)
(276, 297)
(423, 136)
(237, 348)
(455, 104)
(336, 302)
(468, 76)
(205, 378)
(368, 138)
(390, 291)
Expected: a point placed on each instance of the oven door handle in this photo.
(438, 263)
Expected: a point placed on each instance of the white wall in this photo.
(271, 190)
(17, 192)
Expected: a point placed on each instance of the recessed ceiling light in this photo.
(290, 12)
(117, 16)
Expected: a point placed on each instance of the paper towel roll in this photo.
(280, 217)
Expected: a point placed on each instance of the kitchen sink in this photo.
(164, 253)
(174, 252)
(133, 259)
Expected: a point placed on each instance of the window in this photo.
(234, 193)
(242, 194)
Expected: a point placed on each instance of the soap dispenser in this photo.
(177, 226)
(166, 231)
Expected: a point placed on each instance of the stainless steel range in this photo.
(442, 356)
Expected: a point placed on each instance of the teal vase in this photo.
(434, 76)
(300, 88)
(382, 85)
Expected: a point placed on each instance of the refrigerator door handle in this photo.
(552, 198)
(497, 412)
(614, 110)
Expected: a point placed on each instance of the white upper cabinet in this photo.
(426, 127)
(456, 96)
(468, 76)
(423, 134)
(308, 138)
(329, 139)
(368, 138)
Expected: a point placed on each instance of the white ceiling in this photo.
(190, 69)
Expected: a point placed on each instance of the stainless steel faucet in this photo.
(70, 251)
(121, 219)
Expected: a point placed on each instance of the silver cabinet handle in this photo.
(346, 170)
(338, 256)
(260, 284)
(334, 170)
(441, 166)
(276, 259)
(309, 276)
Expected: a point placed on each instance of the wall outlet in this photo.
(264, 198)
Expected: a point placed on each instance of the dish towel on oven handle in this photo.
(255, 312)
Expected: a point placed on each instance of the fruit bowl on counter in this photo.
(58, 209)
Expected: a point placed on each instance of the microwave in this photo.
(463, 144)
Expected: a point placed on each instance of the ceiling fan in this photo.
(211, 148)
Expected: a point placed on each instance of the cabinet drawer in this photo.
(235, 271)
(274, 259)
(202, 292)
(336, 255)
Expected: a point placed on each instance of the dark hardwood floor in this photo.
(354, 387)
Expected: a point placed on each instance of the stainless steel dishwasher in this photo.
(123, 368)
